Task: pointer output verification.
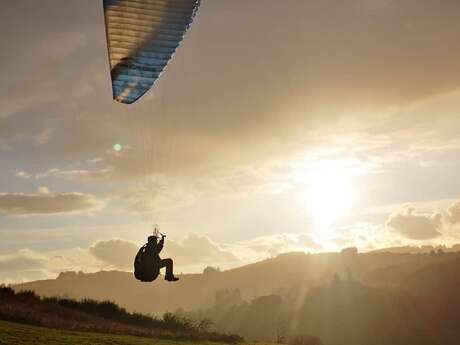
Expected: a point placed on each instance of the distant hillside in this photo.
(197, 291)
(347, 312)
(418, 305)
(191, 292)
(419, 250)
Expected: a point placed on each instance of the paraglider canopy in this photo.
(142, 36)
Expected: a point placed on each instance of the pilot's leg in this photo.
(168, 263)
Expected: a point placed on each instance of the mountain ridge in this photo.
(196, 291)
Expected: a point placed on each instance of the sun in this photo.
(330, 195)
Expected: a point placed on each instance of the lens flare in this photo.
(118, 147)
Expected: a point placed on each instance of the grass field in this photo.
(18, 334)
(103, 317)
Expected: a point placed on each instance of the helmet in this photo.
(152, 239)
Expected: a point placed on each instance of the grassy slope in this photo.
(101, 317)
(18, 334)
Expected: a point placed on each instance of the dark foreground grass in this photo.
(18, 334)
(26, 307)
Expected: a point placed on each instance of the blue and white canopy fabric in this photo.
(142, 36)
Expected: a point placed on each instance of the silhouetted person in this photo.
(153, 249)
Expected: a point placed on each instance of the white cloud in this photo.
(416, 226)
(82, 174)
(196, 249)
(116, 253)
(45, 203)
(453, 213)
(192, 251)
(23, 174)
(26, 265)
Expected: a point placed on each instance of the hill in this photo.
(13, 333)
(191, 292)
(198, 291)
(104, 317)
(425, 249)
(341, 298)
(422, 310)
(347, 312)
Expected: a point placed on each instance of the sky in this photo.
(278, 126)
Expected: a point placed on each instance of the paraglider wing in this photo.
(142, 36)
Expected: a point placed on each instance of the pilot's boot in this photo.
(168, 263)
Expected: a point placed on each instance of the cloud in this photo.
(416, 226)
(23, 260)
(213, 129)
(154, 196)
(453, 213)
(23, 174)
(196, 249)
(22, 266)
(9, 273)
(210, 145)
(45, 203)
(82, 174)
(263, 247)
(117, 253)
(27, 265)
(192, 251)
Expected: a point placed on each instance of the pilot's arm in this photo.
(161, 244)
